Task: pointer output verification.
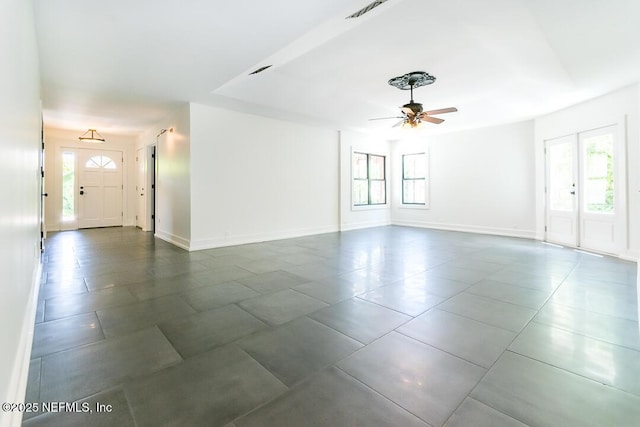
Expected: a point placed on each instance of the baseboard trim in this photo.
(178, 241)
(363, 225)
(506, 232)
(244, 239)
(20, 371)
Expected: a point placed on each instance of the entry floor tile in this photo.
(361, 320)
(215, 296)
(407, 300)
(298, 349)
(528, 297)
(611, 329)
(468, 339)
(422, 379)
(73, 374)
(543, 282)
(596, 301)
(538, 394)
(160, 287)
(435, 285)
(141, 315)
(280, 307)
(474, 413)
(581, 355)
(57, 335)
(331, 398)
(109, 408)
(70, 305)
(273, 281)
(492, 312)
(50, 289)
(336, 339)
(208, 390)
(220, 275)
(200, 332)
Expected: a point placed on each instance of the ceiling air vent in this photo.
(261, 69)
(366, 9)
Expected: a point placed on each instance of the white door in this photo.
(99, 188)
(562, 206)
(141, 211)
(585, 198)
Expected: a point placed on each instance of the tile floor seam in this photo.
(609, 386)
(517, 334)
(383, 396)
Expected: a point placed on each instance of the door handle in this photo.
(81, 192)
(572, 192)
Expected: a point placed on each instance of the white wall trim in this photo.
(507, 232)
(364, 224)
(180, 242)
(259, 237)
(20, 372)
(630, 255)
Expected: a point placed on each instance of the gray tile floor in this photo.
(386, 326)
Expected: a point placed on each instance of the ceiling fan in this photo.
(412, 112)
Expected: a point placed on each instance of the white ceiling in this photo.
(119, 65)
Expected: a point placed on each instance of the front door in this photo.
(585, 198)
(99, 188)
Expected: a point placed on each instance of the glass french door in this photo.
(584, 201)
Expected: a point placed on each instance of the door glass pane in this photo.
(376, 167)
(68, 186)
(561, 183)
(598, 174)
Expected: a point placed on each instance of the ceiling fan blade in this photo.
(442, 111)
(431, 119)
(387, 118)
(398, 124)
(408, 111)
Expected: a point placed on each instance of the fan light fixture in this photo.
(413, 116)
(95, 136)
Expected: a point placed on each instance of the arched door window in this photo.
(97, 162)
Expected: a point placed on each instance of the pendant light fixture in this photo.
(95, 136)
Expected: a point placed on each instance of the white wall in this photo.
(254, 178)
(56, 140)
(479, 181)
(619, 107)
(19, 210)
(173, 176)
(354, 217)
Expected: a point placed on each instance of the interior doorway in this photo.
(145, 188)
(585, 197)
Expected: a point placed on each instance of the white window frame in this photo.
(387, 197)
(427, 185)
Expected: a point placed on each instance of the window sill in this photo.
(369, 207)
(419, 207)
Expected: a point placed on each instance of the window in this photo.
(369, 180)
(68, 186)
(97, 162)
(414, 179)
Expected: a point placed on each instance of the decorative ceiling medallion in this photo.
(412, 80)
